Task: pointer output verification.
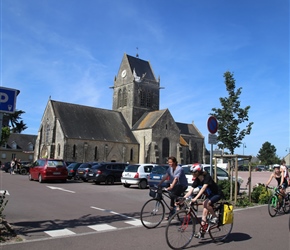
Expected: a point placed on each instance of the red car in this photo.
(48, 170)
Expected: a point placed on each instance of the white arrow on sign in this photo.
(62, 189)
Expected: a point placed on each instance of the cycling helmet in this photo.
(276, 166)
(196, 168)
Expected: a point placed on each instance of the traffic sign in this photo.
(212, 124)
(212, 139)
(8, 99)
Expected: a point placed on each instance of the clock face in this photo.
(124, 72)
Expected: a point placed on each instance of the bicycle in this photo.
(181, 227)
(278, 201)
(153, 211)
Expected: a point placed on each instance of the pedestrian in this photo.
(178, 182)
(12, 165)
(284, 169)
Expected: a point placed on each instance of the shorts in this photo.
(214, 198)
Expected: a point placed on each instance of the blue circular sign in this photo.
(212, 124)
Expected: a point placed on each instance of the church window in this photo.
(58, 149)
(142, 98)
(131, 154)
(149, 99)
(96, 153)
(165, 148)
(46, 134)
(74, 151)
(125, 97)
(119, 98)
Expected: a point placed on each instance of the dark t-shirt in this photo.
(212, 188)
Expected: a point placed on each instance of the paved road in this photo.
(86, 216)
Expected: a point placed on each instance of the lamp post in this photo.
(244, 146)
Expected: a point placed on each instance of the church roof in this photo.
(188, 129)
(149, 119)
(89, 123)
(142, 68)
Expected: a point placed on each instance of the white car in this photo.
(136, 174)
(221, 174)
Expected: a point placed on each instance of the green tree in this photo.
(15, 122)
(5, 135)
(230, 116)
(267, 154)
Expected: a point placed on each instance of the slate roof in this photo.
(188, 129)
(141, 67)
(89, 123)
(148, 119)
(22, 141)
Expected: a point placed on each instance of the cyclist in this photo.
(284, 168)
(278, 174)
(208, 187)
(178, 182)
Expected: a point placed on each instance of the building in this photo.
(18, 146)
(135, 130)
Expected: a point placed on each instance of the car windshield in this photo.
(55, 163)
(132, 168)
(159, 170)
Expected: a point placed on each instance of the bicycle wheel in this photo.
(180, 229)
(286, 206)
(152, 213)
(220, 231)
(273, 205)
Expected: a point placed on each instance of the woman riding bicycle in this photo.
(279, 175)
(208, 187)
(178, 182)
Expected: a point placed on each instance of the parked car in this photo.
(72, 170)
(260, 168)
(48, 170)
(221, 174)
(6, 167)
(83, 170)
(137, 175)
(108, 172)
(157, 174)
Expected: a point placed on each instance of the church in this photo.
(134, 131)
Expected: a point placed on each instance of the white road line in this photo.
(102, 227)
(60, 232)
(112, 212)
(2, 192)
(61, 189)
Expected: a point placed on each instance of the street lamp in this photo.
(244, 146)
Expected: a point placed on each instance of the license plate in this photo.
(156, 177)
(56, 173)
(91, 174)
(80, 172)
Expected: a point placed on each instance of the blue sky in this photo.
(71, 50)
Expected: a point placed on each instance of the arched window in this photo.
(119, 98)
(74, 151)
(142, 98)
(131, 154)
(47, 132)
(58, 149)
(125, 97)
(149, 99)
(165, 149)
(96, 153)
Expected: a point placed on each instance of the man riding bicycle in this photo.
(208, 187)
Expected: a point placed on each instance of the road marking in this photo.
(61, 189)
(102, 227)
(60, 232)
(134, 222)
(3, 191)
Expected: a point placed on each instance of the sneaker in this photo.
(214, 220)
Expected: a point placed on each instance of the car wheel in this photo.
(40, 180)
(23, 171)
(97, 182)
(142, 184)
(126, 185)
(29, 177)
(110, 180)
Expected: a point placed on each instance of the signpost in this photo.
(7, 103)
(212, 126)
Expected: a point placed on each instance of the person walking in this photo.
(178, 182)
(12, 165)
